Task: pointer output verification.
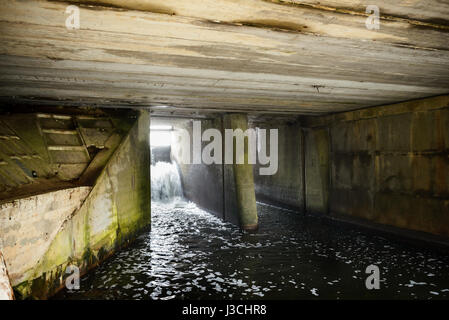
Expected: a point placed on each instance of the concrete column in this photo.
(317, 170)
(243, 176)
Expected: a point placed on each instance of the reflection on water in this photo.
(190, 254)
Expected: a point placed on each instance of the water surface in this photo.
(190, 254)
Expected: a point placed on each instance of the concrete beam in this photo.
(279, 57)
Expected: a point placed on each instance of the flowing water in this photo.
(165, 182)
(190, 254)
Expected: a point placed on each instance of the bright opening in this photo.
(160, 135)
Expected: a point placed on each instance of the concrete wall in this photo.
(390, 164)
(28, 227)
(202, 184)
(286, 187)
(160, 154)
(6, 292)
(212, 187)
(387, 165)
(111, 215)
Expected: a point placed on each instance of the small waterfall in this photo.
(165, 182)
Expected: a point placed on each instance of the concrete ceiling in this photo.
(272, 57)
(40, 152)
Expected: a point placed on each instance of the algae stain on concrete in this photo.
(113, 214)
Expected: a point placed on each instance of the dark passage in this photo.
(191, 254)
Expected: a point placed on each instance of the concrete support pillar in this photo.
(243, 176)
(317, 170)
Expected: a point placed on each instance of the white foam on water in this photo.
(165, 182)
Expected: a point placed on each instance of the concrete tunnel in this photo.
(361, 117)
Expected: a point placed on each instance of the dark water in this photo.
(189, 254)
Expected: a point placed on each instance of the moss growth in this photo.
(114, 213)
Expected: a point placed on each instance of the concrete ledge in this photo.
(260, 198)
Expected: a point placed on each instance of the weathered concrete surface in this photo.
(56, 149)
(226, 190)
(387, 165)
(286, 187)
(160, 154)
(289, 57)
(417, 12)
(243, 175)
(317, 170)
(390, 164)
(202, 184)
(116, 209)
(28, 227)
(6, 292)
